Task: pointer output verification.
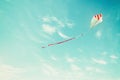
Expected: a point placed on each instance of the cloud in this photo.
(94, 69)
(99, 61)
(70, 25)
(53, 58)
(75, 67)
(59, 22)
(48, 29)
(98, 34)
(89, 68)
(113, 57)
(49, 70)
(63, 35)
(8, 72)
(52, 24)
(29, 35)
(70, 60)
(99, 70)
(53, 19)
(34, 39)
(46, 19)
(80, 50)
(104, 53)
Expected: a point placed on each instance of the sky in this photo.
(27, 25)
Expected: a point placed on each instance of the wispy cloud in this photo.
(59, 22)
(104, 53)
(89, 68)
(46, 19)
(70, 25)
(113, 57)
(99, 61)
(51, 25)
(75, 67)
(48, 29)
(99, 70)
(49, 70)
(8, 72)
(98, 34)
(80, 50)
(29, 34)
(53, 58)
(70, 60)
(94, 69)
(53, 19)
(35, 39)
(63, 35)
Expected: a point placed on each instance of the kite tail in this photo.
(61, 42)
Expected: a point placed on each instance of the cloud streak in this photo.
(100, 61)
(8, 72)
(63, 35)
(113, 57)
(98, 34)
(48, 29)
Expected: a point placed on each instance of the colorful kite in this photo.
(94, 21)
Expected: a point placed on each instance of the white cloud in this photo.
(59, 22)
(53, 58)
(63, 35)
(99, 70)
(34, 39)
(104, 53)
(94, 69)
(75, 67)
(46, 19)
(50, 70)
(89, 68)
(99, 61)
(29, 35)
(80, 50)
(48, 29)
(70, 25)
(45, 37)
(70, 60)
(98, 34)
(53, 19)
(113, 57)
(8, 72)
(54, 25)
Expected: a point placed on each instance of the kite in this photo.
(94, 21)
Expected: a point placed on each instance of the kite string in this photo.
(83, 34)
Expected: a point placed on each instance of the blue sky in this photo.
(26, 25)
